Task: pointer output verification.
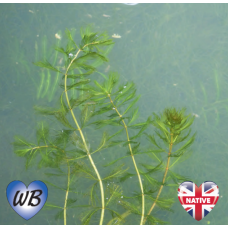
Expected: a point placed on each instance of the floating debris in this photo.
(57, 36)
(105, 15)
(116, 36)
(60, 61)
(30, 11)
(107, 69)
(196, 115)
(130, 4)
(89, 15)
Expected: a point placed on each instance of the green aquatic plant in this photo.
(102, 119)
(213, 106)
(170, 126)
(50, 80)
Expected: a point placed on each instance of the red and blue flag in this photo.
(198, 202)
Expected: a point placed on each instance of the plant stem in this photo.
(83, 138)
(67, 191)
(164, 177)
(133, 159)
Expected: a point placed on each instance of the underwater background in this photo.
(175, 53)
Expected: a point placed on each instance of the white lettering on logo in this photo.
(198, 200)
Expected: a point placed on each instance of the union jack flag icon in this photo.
(198, 202)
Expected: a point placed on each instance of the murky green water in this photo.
(175, 53)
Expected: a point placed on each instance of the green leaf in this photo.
(69, 36)
(22, 152)
(115, 134)
(52, 206)
(144, 127)
(140, 125)
(126, 176)
(152, 140)
(85, 171)
(42, 133)
(64, 108)
(111, 82)
(59, 215)
(129, 97)
(55, 186)
(19, 141)
(114, 213)
(76, 76)
(103, 110)
(181, 138)
(134, 116)
(86, 219)
(129, 142)
(151, 169)
(162, 127)
(60, 49)
(87, 113)
(83, 66)
(118, 171)
(61, 118)
(124, 91)
(77, 141)
(181, 158)
(102, 123)
(45, 110)
(104, 139)
(103, 75)
(186, 145)
(75, 85)
(100, 87)
(80, 100)
(62, 138)
(165, 139)
(70, 202)
(111, 163)
(131, 104)
(132, 207)
(46, 64)
(189, 123)
(177, 178)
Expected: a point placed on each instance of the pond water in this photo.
(175, 53)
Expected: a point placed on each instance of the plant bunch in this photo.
(107, 107)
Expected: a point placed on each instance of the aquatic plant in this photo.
(106, 109)
(49, 80)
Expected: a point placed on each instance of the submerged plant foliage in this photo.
(107, 107)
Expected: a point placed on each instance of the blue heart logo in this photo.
(27, 202)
